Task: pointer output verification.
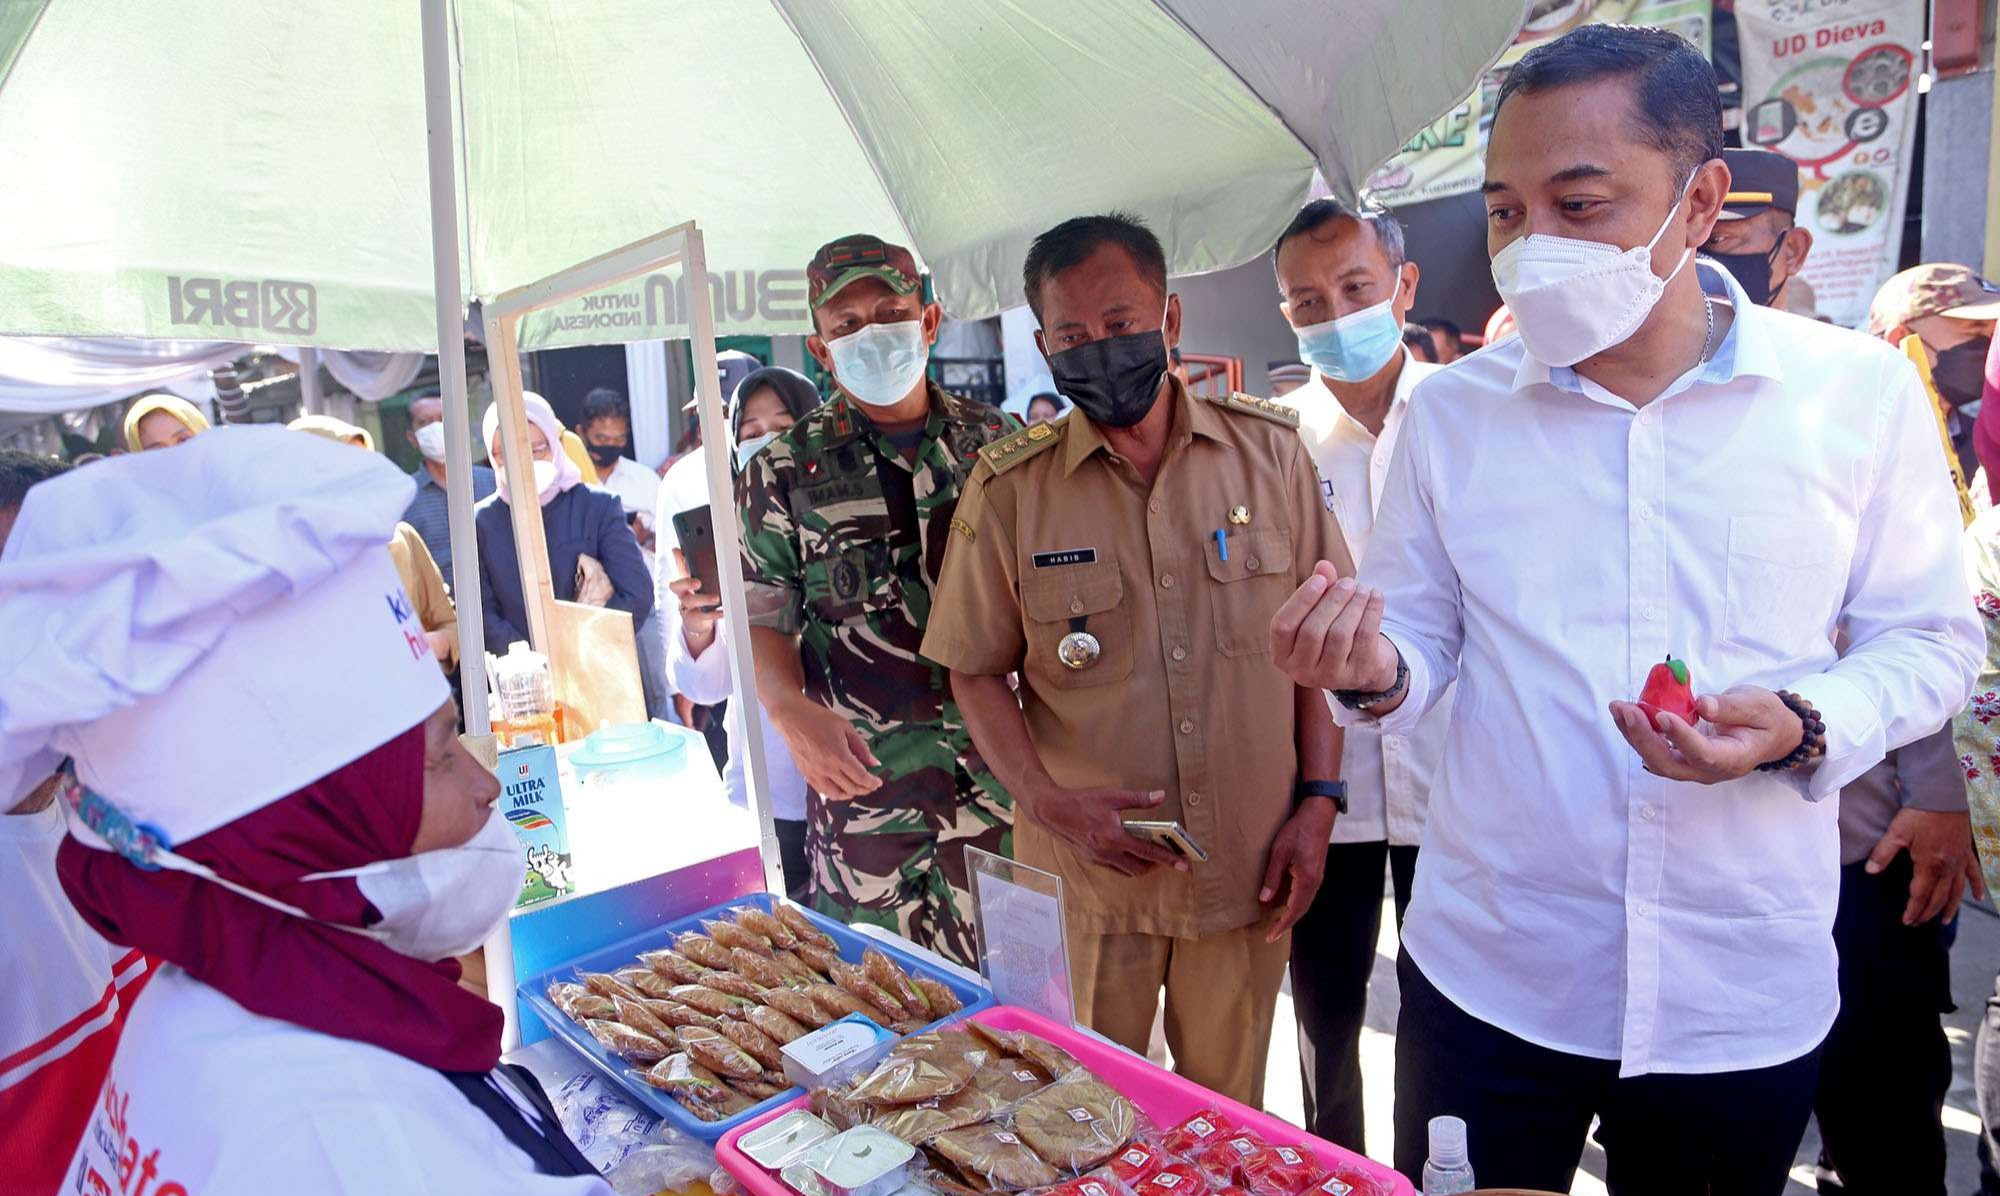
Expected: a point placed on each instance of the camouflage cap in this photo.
(1934, 289)
(842, 261)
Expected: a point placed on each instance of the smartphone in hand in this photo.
(697, 536)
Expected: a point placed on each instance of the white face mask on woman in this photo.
(1574, 299)
(434, 905)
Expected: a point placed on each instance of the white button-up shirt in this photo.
(1388, 776)
(1546, 543)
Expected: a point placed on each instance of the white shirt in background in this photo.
(638, 490)
(1388, 776)
(1546, 543)
(220, 1100)
(705, 679)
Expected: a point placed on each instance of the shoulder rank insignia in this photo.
(1009, 451)
(1252, 405)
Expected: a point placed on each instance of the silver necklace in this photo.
(1707, 309)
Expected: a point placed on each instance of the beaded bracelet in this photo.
(1812, 744)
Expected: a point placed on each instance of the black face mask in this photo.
(1114, 381)
(1752, 271)
(1960, 372)
(604, 456)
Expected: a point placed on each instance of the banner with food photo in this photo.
(1448, 156)
(1833, 86)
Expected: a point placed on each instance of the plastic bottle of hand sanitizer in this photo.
(1448, 1171)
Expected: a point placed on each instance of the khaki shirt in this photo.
(1054, 533)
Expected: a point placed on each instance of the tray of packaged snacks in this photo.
(690, 1017)
(1007, 1101)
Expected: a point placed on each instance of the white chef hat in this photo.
(208, 628)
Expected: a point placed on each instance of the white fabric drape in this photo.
(371, 376)
(646, 392)
(47, 376)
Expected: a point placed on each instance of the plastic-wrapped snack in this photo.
(938, 995)
(1050, 1057)
(1138, 1160)
(838, 1003)
(760, 1089)
(636, 1015)
(761, 970)
(893, 980)
(1174, 1179)
(838, 1111)
(580, 1003)
(999, 1157)
(732, 1103)
(651, 983)
(673, 1013)
(781, 1027)
(703, 950)
(757, 922)
(1280, 1170)
(704, 999)
(1076, 1123)
(1007, 1080)
(734, 985)
(819, 959)
(755, 1043)
(1090, 1185)
(802, 927)
(633, 1046)
(679, 1073)
(1188, 1137)
(1345, 1179)
(924, 1120)
(855, 980)
(796, 1004)
(606, 985)
(729, 934)
(911, 1075)
(674, 966)
(1221, 1157)
(796, 969)
(710, 1049)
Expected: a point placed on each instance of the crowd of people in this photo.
(1391, 632)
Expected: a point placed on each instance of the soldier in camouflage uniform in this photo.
(845, 519)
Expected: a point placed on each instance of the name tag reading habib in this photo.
(1068, 556)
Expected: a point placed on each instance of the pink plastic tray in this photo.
(1165, 1097)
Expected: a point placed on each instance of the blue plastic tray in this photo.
(533, 992)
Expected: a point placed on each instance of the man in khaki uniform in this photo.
(1126, 562)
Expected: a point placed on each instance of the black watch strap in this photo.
(1337, 790)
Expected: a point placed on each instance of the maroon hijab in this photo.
(319, 977)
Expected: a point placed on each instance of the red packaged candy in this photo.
(1222, 1161)
(1087, 1186)
(1188, 1137)
(1137, 1161)
(1174, 1179)
(1344, 1180)
(1280, 1170)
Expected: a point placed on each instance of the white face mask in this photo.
(746, 449)
(430, 440)
(545, 480)
(1575, 299)
(434, 905)
(881, 364)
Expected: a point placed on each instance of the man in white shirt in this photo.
(606, 431)
(1347, 288)
(1621, 914)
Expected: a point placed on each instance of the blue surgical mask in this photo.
(881, 363)
(1354, 346)
(746, 449)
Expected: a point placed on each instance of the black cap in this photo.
(1759, 180)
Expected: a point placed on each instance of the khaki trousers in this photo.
(1222, 991)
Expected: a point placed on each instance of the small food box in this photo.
(834, 1054)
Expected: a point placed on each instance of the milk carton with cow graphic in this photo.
(531, 800)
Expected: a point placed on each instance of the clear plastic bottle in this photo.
(527, 696)
(1449, 1170)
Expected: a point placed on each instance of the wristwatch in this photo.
(1361, 699)
(1337, 790)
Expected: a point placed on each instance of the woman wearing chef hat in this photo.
(264, 792)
